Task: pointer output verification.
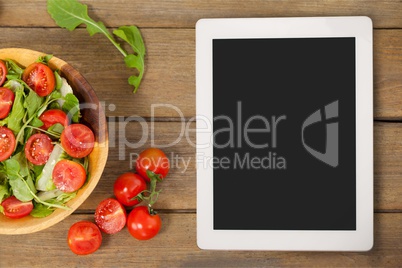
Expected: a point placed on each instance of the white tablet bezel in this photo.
(358, 27)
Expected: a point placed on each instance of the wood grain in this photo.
(168, 30)
(388, 74)
(179, 188)
(170, 74)
(185, 13)
(175, 246)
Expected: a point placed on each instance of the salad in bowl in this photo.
(53, 140)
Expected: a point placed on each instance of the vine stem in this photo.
(151, 195)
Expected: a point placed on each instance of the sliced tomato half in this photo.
(68, 176)
(77, 140)
(110, 216)
(6, 101)
(38, 149)
(15, 209)
(3, 72)
(40, 78)
(7, 143)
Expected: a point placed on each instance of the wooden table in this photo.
(168, 30)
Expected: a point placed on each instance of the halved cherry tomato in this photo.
(3, 72)
(51, 117)
(38, 149)
(142, 225)
(77, 140)
(152, 159)
(7, 143)
(68, 176)
(84, 237)
(6, 101)
(40, 78)
(15, 209)
(127, 186)
(110, 216)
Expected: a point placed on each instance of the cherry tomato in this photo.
(127, 186)
(6, 101)
(77, 140)
(142, 225)
(40, 78)
(152, 159)
(51, 117)
(7, 143)
(3, 72)
(38, 149)
(68, 176)
(84, 238)
(15, 209)
(110, 216)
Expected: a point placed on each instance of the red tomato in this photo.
(51, 117)
(7, 143)
(68, 176)
(152, 159)
(110, 216)
(127, 186)
(84, 238)
(40, 78)
(3, 72)
(6, 101)
(38, 149)
(143, 225)
(15, 209)
(77, 140)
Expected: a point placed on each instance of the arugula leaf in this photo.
(12, 168)
(4, 189)
(13, 70)
(41, 211)
(53, 198)
(70, 14)
(21, 189)
(56, 130)
(17, 114)
(32, 103)
(59, 82)
(23, 169)
(132, 35)
(71, 107)
(44, 59)
(36, 122)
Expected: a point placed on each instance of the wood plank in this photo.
(176, 246)
(387, 166)
(184, 13)
(387, 75)
(169, 77)
(179, 188)
(170, 74)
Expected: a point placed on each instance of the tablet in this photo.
(284, 113)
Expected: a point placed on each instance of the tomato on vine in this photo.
(143, 224)
(152, 159)
(127, 186)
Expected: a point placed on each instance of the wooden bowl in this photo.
(94, 117)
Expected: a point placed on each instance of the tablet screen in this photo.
(284, 134)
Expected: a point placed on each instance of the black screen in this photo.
(284, 134)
